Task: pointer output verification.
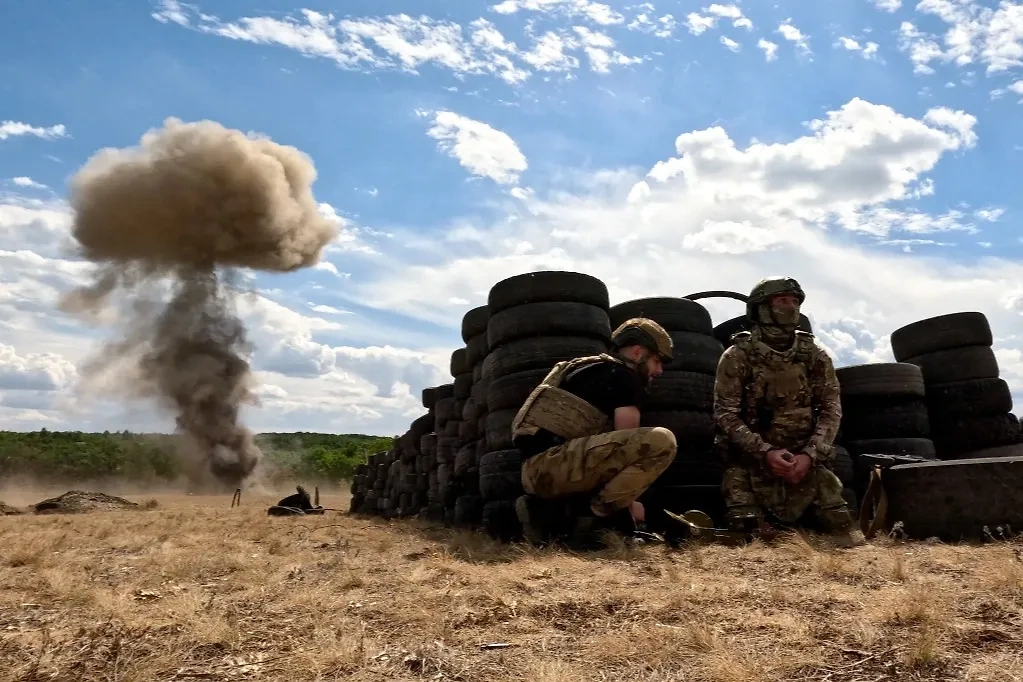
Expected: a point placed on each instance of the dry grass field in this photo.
(194, 590)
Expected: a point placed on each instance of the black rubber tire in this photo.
(445, 391)
(474, 322)
(699, 466)
(468, 431)
(971, 398)
(429, 397)
(459, 364)
(694, 353)
(428, 443)
(476, 349)
(537, 353)
(881, 379)
(908, 419)
(452, 428)
(953, 437)
(551, 318)
(693, 430)
(943, 332)
(681, 391)
(674, 314)
(511, 390)
(500, 461)
(1011, 450)
(499, 521)
(955, 500)
(468, 510)
(463, 385)
(464, 458)
(498, 429)
(547, 285)
(957, 364)
(503, 485)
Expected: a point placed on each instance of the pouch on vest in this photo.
(554, 409)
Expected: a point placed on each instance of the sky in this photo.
(872, 149)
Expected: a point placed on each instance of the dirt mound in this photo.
(8, 510)
(79, 501)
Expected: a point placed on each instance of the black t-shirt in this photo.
(606, 385)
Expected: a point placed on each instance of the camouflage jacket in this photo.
(765, 399)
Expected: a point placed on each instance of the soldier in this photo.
(586, 457)
(777, 409)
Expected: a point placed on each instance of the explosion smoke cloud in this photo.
(191, 203)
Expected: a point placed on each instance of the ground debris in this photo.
(80, 501)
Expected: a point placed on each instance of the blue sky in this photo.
(870, 148)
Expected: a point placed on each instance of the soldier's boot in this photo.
(840, 526)
(589, 528)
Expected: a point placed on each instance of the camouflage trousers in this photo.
(749, 492)
(617, 467)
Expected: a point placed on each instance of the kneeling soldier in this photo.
(581, 441)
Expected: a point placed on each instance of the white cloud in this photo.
(868, 50)
(794, 35)
(770, 49)
(481, 149)
(406, 43)
(661, 27)
(17, 129)
(888, 5)
(698, 23)
(25, 181)
(992, 36)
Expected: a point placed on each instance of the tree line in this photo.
(75, 456)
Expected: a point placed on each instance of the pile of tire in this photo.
(536, 320)
(465, 503)
(969, 405)
(682, 401)
(883, 412)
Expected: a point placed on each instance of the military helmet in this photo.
(644, 332)
(771, 286)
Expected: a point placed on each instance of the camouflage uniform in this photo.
(580, 458)
(769, 397)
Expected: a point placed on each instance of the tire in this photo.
(537, 353)
(953, 437)
(955, 500)
(463, 386)
(944, 332)
(547, 285)
(476, 349)
(693, 466)
(971, 398)
(1012, 450)
(919, 447)
(468, 510)
(881, 379)
(429, 397)
(901, 420)
(681, 391)
(694, 353)
(957, 364)
(475, 322)
(459, 364)
(511, 390)
(674, 314)
(499, 461)
(552, 318)
(693, 430)
(842, 466)
(499, 436)
(499, 521)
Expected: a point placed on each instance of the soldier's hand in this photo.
(800, 468)
(780, 462)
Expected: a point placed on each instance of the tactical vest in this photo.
(777, 400)
(554, 409)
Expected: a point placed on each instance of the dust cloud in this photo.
(168, 224)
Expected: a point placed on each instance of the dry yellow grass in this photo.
(194, 590)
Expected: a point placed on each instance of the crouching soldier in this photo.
(776, 406)
(586, 459)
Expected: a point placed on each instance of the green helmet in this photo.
(771, 286)
(644, 332)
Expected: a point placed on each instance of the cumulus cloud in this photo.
(480, 148)
(834, 207)
(407, 43)
(17, 129)
(976, 33)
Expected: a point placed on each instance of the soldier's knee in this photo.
(662, 442)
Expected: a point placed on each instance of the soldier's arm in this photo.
(728, 387)
(826, 393)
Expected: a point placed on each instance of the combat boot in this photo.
(842, 529)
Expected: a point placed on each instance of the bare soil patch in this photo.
(194, 590)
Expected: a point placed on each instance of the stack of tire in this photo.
(883, 412)
(535, 321)
(968, 403)
(682, 401)
(435, 448)
(466, 503)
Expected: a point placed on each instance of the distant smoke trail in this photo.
(193, 201)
